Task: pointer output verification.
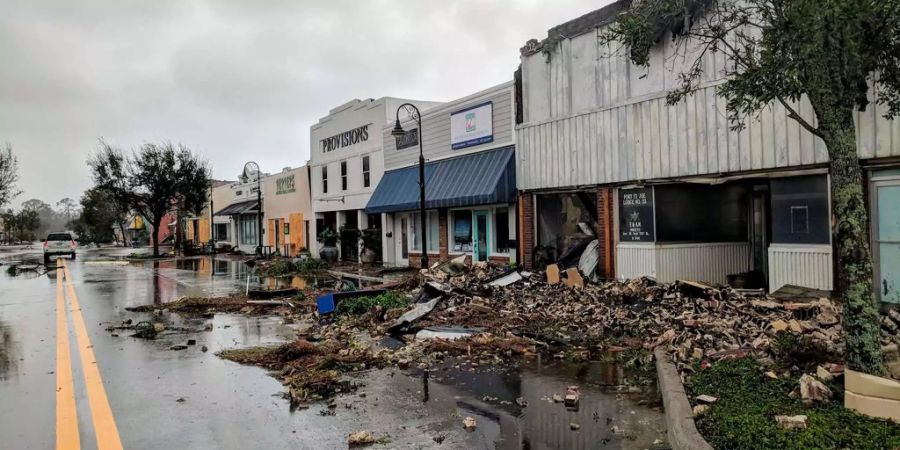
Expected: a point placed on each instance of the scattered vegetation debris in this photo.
(360, 438)
(237, 303)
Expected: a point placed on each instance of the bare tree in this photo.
(9, 175)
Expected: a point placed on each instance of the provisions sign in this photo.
(472, 126)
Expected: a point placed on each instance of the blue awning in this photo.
(477, 179)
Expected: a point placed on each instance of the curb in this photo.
(681, 430)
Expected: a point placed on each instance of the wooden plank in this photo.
(655, 137)
(690, 146)
(712, 141)
(882, 132)
(779, 120)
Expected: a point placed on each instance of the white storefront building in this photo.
(346, 163)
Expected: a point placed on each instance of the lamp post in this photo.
(399, 132)
(248, 169)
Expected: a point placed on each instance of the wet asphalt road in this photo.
(162, 398)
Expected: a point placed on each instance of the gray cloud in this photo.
(234, 79)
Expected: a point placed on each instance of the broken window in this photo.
(563, 221)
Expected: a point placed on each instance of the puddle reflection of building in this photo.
(8, 351)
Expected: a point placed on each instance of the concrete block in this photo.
(871, 386)
(873, 406)
(552, 274)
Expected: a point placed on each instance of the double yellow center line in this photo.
(67, 436)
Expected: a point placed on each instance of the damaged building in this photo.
(674, 191)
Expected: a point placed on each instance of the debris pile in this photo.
(309, 371)
(203, 306)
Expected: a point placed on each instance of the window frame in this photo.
(325, 179)
(366, 169)
(344, 182)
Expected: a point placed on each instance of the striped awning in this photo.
(476, 179)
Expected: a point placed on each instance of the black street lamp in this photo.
(398, 132)
(259, 225)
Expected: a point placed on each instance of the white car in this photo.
(58, 244)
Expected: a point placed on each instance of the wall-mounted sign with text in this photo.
(636, 217)
(284, 185)
(472, 126)
(409, 139)
(345, 139)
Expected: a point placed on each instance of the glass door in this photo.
(404, 240)
(482, 234)
(887, 240)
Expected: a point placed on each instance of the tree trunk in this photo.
(124, 238)
(851, 241)
(155, 236)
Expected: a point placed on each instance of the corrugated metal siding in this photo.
(801, 265)
(709, 262)
(436, 136)
(593, 118)
(635, 260)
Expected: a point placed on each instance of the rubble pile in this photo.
(310, 372)
(203, 306)
(699, 321)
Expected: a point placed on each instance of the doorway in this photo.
(482, 233)
(759, 232)
(886, 239)
(403, 242)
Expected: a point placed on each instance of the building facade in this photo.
(346, 164)
(470, 179)
(673, 191)
(287, 210)
(237, 216)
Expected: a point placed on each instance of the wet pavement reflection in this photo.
(190, 398)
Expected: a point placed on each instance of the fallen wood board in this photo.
(552, 274)
(356, 276)
(573, 278)
(507, 279)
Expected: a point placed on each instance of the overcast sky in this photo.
(234, 79)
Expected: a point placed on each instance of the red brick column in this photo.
(605, 233)
(443, 245)
(526, 229)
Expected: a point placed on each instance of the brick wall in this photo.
(605, 230)
(526, 229)
(443, 245)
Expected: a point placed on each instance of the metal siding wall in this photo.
(709, 262)
(436, 135)
(640, 137)
(801, 265)
(635, 260)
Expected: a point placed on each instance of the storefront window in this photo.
(501, 230)
(365, 164)
(343, 175)
(800, 210)
(324, 179)
(461, 231)
(433, 232)
(699, 213)
(248, 230)
(221, 231)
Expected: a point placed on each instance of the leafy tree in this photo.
(9, 174)
(100, 213)
(824, 51)
(21, 226)
(153, 180)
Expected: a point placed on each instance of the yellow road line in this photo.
(66, 415)
(104, 423)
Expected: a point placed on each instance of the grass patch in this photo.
(361, 305)
(744, 416)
